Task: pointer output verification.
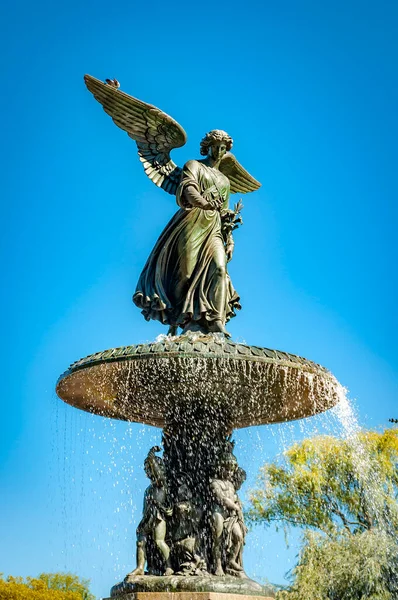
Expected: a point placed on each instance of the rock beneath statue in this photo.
(159, 585)
(191, 596)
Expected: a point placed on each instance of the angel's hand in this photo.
(194, 199)
(227, 214)
(217, 203)
(206, 205)
(229, 251)
(211, 205)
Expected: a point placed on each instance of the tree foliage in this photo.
(47, 586)
(67, 582)
(328, 484)
(343, 493)
(347, 567)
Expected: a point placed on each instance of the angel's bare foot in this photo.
(219, 327)
(219, 572)
(173, 330)
(168, 571)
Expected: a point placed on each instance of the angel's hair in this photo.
(215, 135)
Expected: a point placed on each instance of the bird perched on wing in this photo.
(113, 83)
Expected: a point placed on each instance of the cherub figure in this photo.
(156, 511)
(228, 528)
(185, 282)
(238, 479)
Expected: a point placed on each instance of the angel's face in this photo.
(217, 150)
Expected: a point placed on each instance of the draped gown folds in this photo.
(185, 278)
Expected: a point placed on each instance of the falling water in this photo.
(99, 484)
(112, 453)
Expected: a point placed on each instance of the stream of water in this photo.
(99, 476)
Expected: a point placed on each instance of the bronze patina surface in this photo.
(198, 386)
(194, 595)
(196, 587)
(185, 282)
(248, 384)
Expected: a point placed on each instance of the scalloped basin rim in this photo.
(248, 385)
(138, 351)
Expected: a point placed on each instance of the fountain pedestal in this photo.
(190, 596)
(198, 388)
(225, 588)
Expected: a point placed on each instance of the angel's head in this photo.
(216, 143)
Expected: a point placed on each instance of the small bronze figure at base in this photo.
(155, 513)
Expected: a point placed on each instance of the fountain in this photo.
(198, 386)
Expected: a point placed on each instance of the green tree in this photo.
(67, 582)
(346, 567)
(343, 494)
(48, 586)
(328, 484)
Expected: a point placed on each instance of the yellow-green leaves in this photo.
(345, 491)
(332, 484)
(345, 567)
(47, 586)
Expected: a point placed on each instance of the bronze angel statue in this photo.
(185, 282)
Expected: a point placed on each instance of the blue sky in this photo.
(309, 93)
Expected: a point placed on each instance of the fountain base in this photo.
(179, 587)
(198, 388)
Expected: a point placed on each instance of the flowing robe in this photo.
(185, 277)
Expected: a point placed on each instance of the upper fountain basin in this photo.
(244, 385)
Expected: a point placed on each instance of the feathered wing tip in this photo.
(154, 132)
(241, 181)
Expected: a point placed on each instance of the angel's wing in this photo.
(155, 133)
(241, 181)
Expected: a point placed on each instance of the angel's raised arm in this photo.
(154, 132)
